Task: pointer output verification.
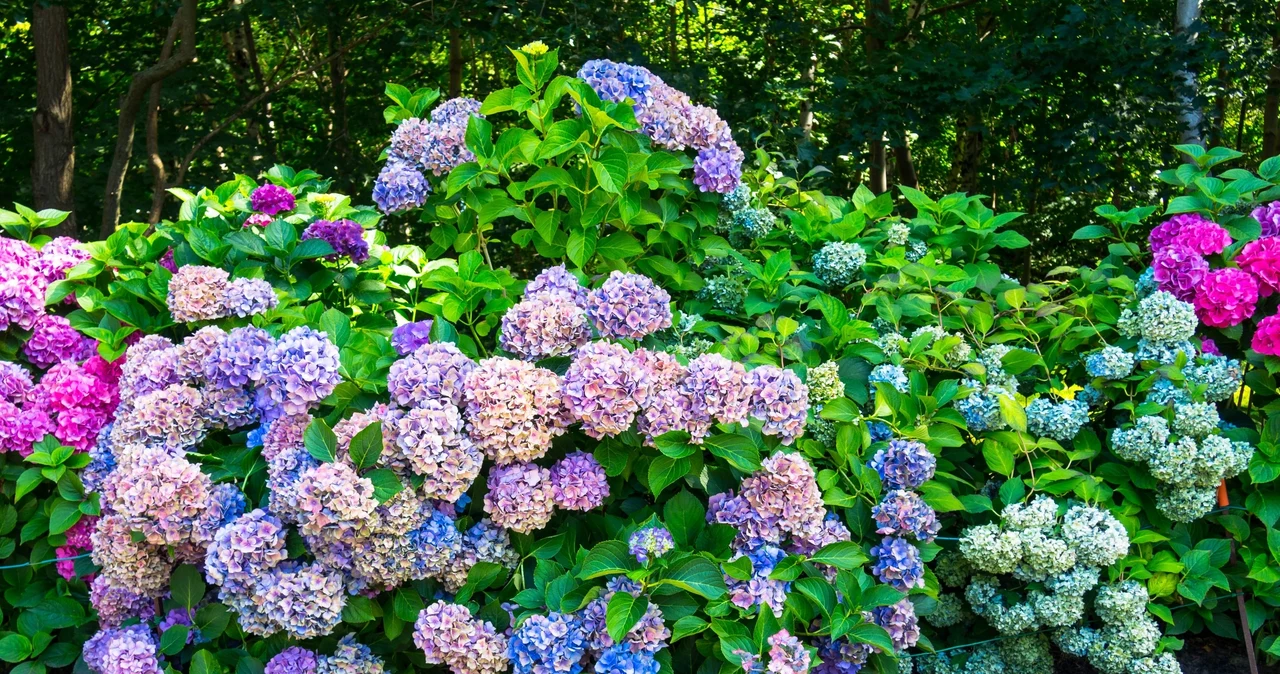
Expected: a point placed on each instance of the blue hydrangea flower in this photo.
(838, 262)
(400, 186)
(892, 375)
(650, 543)
(548, 644)
(879, 430)
(904, 464)
(898, 564)
(981, 408)
(1060, 421)
(1111, 362)
(620, 660)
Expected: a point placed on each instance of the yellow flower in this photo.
(535, 48)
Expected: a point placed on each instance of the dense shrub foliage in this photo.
(731, 423)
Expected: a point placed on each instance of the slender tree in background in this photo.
(132, 103)
(1188, 13)
(878, 14)
(53, 171)
(1271, 112)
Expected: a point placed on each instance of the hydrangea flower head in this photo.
(1112, 362)
(432, 372)
(780, 400)
(717, 170)
(272, 199)
(301, 371)
(557, 280)
(245, 549)
(899, 620)
(431, 439)
(824, 383)
(1226, 297)
(650, 543)
(898, 564)
(837, 263)
(1268, 215)
(116, 604)
(292, 660)
(198, 293)
(549, 644)
(617, 82)
(1261, 258)
(904, 464)
(521, 497)
(603, 389)
(787, 655)
(250, 296)
(22, 292)
(346, 237)
(408, 337)
(578, 482)
(54, 340)
(512, 409)
(237, 361)
(629, 306)
(400, 187)
(1179, 270)
(1266, 340)
(1060, 421)
(544, 325)
(904, 513)
(1164, 318)
(1169, 232)
(59, 255)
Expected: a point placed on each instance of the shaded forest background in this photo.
(1049, 106)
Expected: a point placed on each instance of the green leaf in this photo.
(618, 246)
(874, 635)
(187, 585)
(999, 457)
(407, 604)
(737, 450)
(386, 484)
(842, 555)
(549, 177)
(608, 558)
(697, 575)
(27, 481)
(63, 516)
(281, 235)
(685, 517)
(622, 614)
(1089, 232)
(479, 136)
(366, 446)
(461, 177)
(665, 471)
(14, 648)
(336, 325)
(320, 441)
(688, 626)
(611, 170)
(1012, 413)
(360, 609)
(560, 137)
(204, 662)
(174, 639)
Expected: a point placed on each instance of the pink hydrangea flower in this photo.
(1178, 270)
(1169, 231)
(1204, 237)
(272, 199)
(1266, 340)
(1226, 297)
(1262, 259)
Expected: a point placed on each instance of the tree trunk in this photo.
(806, 105)
(132, 103)
(455, 63)
(159, 177)
(969, 158)
(338, 86)
(1271, 108)
(1188, 12)
(877, 12)
(53, 170)
(906, 173)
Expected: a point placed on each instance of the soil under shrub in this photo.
(1204, 654)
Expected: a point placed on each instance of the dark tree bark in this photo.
(132, 103)
(906, 172)
(1187, 14)
(1271, 107)
(53, 170)
(877, 12)
(159, 176)
(338, 87)
(455, 63)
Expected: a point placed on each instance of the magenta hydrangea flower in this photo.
(1268, 215)
(433, 372)
(629, 306)
(557, 280)
(116, 604)
(1204, 237)
(408, 337)
(780, 400)
(603, 389)
(198, 293)
(18, 252)
(59, 255)
(717, 170)
(346, 237)
(66, 566)
(1266, 339)
(254, 220)
(520, 498)
(1262, 259)
(544, 326)
(1178, 270)
(1226, 297)
(578, 482)
(1169, 232)
(54, 340)
(301, 371)
(272, 199)
(513, 409)
(292, 660)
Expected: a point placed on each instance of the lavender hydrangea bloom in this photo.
(718, 392)
(350, 657)
(59, 255)
(513, 409)
(408, 141)
(780, 399)
(433, 372)
(544, 325)
(904, 513)
(547, 644)
(130, 650)
(520, 497)
(1268, 215)
(53, 340)
(333, 500)
(292, 660)
(116, 604)
(304, 600)
(302, 370)
(400, 187)
(198, 293)
(603, 389)
(250, 296)
(346, 237)
(760, 589)
(162, 496)
(898, 564)
(245, 549)
(272, 199)
(408, 337)
(578, 482)
(444, 146)
(557, 280)
(650, 543)
(900, 621)
(15, 382)
(21, 296)
(238, 360)
(904, 464)
(717, 170)
(629, 306)
(432, 440)
(621, 660)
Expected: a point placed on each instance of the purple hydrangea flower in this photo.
(899, 620)
(129, 650)
(304, 600)
(603, 389)
(250, 296)
(431, 372)
(116, 604)
(520, 497)
(904, 513)
(272, 199)
(444, 146)
(904, 464)
(432, 440)
(578, 482)
(21, 296)
(760, 589)
(449, 635)
(59, 255)
(245, 549)
(15, 382)
(346, 237)
(239, 359)
(780, 399)
(400, 187)
(716, 170)
(557, 280)
(292, 660)
(408, 141)
(898, 564)
(787, 655)
(301, 371)
(1268, 215)
(650, 543)
(54, 340)
(408, 337)
(629, 306)
(617, 82)
(1178, 271)
(544, 325)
